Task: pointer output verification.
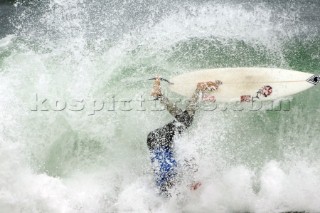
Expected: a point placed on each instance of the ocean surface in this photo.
(75, 108)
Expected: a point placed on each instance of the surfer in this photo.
(160, 141)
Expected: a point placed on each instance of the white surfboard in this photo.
(246, 84)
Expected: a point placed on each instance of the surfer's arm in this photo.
(190, 108)
(193, 103)
(174, 110)
(170, 106)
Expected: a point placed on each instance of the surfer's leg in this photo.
(165, 171)
(162, 157)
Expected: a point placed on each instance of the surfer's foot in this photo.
(194, 186)
(156, 90)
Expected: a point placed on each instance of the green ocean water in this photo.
(87, 153)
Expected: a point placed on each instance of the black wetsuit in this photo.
(160, 144)
(164, 136)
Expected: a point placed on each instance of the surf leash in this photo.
(161, 79)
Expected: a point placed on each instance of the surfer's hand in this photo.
(156, 90)
(208, 86)
(204, 86)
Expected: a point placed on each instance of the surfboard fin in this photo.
(161, 79)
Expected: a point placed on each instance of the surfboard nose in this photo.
(315, 79)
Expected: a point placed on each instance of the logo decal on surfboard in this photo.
(315, 79)
(265, 91)
(208, 97)
(245, 98)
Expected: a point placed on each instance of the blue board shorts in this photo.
(165, 167)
